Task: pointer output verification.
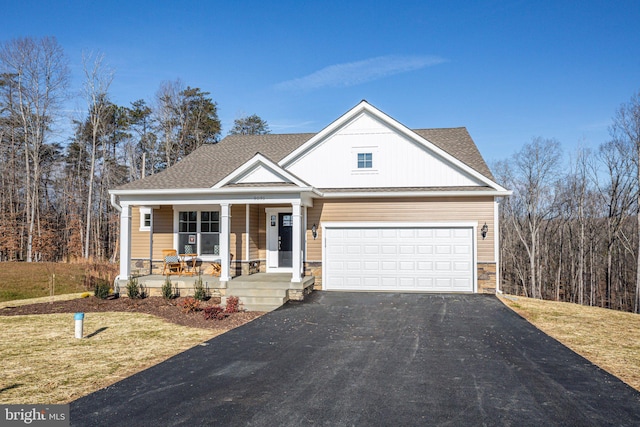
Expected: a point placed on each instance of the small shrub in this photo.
(214, 312)
(133, 289)
(190, 305)
(199, 291)
(167, 290)
(233, 305)
(102, 290)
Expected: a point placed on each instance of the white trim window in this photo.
(210, 233)
(199, 230)
(145, 218)
(365, 160)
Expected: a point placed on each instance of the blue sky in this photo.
(507, 70)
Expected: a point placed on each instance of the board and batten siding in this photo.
(397, 160)
(441, 209)
(162, 233)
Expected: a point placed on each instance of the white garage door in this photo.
(399, 259)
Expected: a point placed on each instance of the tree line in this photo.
(571, 229)
(54, 202)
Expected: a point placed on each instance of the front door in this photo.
(285, 233)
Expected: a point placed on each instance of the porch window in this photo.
(187, 230)
(145, 219)
(200, 230)
(210, 233)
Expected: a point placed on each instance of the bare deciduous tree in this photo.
(626, 132)
(40, 76)
(536, 168)
(98, 78)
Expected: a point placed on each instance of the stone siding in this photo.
(486, 277)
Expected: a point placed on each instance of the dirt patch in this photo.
(170, 310)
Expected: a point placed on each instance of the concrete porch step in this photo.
(262, 303)
(262, 307)
(262, 300)
(236, 284)
(253, 292)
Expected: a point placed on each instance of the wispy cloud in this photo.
(283, 126)
(358, 72)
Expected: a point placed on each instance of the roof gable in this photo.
(260, 170)
(400, 157)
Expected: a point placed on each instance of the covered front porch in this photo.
(235, 233)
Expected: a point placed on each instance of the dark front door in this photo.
(285, 231)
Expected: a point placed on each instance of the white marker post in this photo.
(79, 318)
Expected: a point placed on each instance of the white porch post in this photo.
(296, 248)
(225, 228)
(496, 241)
(125, 242)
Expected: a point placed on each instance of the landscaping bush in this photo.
(190, 305)
(133, 290)
(199, 291)
(102, 290)
(214, 312)
(233, 305)
(167, 290)
(217, 312)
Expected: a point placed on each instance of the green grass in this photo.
(23, 280)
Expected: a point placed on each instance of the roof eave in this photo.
(213, 191)
(426, 193)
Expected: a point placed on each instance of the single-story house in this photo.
(366, 204)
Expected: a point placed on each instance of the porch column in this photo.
(125, 242)
(296, 247)
(225, 227)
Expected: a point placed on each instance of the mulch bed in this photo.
(170, 310)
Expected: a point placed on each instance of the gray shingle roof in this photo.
(212, 162)
(458, 143)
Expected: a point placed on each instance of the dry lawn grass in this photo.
(22, 280)
(610, 339)
(44, 300)
(42, 362)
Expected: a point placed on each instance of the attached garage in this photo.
(399, 257)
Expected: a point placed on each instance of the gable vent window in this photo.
(365, 160)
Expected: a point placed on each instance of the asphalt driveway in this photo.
(370, 359)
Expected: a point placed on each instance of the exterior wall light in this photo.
(314, 231)
(484, 230)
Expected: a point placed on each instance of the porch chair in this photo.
(189, 266)
(172, 262)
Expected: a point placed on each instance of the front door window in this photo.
(285, 232)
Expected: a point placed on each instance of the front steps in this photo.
(257, 292)
(267, 292)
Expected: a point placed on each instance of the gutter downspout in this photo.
(119, 209)
(114, 204)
